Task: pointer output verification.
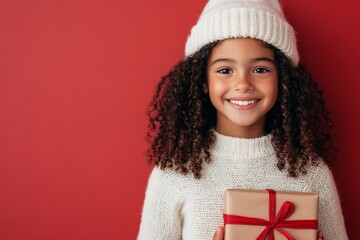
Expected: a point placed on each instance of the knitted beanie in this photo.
(259, 19)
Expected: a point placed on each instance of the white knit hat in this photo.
(260, 19)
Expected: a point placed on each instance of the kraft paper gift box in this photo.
(247, 215)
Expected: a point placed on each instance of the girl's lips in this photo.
(243, 103)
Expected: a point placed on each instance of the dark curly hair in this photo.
(182, 118)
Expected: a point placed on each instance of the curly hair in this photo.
(182, 118)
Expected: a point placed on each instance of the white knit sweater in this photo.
(181, 207)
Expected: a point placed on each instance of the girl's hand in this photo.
(219, 234)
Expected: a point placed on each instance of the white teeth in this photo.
(243, 103)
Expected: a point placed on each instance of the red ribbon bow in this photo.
(275, 222)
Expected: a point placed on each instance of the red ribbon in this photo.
(275, 222)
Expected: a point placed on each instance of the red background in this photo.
(75, 79)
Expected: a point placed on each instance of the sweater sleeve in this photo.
(331, 220)
(161, 218)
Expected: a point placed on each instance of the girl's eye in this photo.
(224, 71)
(260, 70)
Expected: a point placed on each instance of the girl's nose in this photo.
(242, 83)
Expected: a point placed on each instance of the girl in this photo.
(238, 112)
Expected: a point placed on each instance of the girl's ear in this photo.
(205, 88)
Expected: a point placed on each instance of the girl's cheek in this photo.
(219, 85)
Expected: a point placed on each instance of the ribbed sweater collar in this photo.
(242, 147)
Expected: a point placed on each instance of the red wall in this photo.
(75, 78)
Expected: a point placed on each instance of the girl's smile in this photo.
(243, 86)
(243, 103)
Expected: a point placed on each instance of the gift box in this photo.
(266, 214)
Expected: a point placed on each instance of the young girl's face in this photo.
(243, 86)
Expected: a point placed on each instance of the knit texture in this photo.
(260, 19)
(181, 207)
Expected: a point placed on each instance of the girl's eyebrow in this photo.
(263, 59)
(251, 60)
(223, 60)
